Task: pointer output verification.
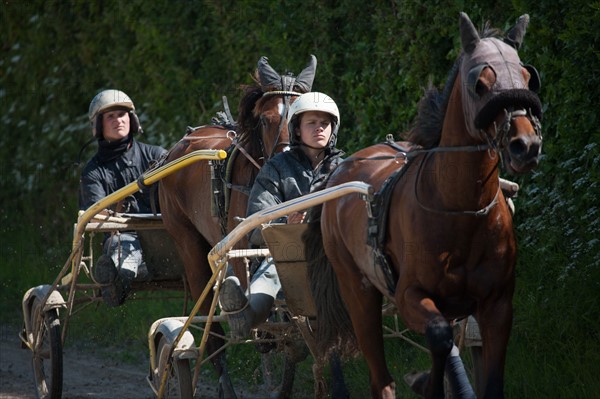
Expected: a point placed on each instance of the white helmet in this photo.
(313, 101)
(108, 100)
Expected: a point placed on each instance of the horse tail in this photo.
(334, 333)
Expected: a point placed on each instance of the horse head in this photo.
(268, 117)
(499, 95)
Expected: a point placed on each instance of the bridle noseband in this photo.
(501, 138)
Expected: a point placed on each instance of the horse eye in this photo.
(480, 88)
(486, 81)
(473, 80)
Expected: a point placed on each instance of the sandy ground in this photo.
(89, 373)
(86, 374)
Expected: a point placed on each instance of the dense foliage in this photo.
(176, 59)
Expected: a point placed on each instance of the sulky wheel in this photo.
(179, 380)
(47, 351)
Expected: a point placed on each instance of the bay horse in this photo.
(199, 204)
(445, 246)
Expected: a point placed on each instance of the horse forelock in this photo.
(431, 112)
(249, 123)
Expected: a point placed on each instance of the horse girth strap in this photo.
(377, 226)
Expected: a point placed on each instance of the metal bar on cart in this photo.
(221, 250)
(219, 253)
(146, 179)
(277, 211)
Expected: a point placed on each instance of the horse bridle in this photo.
(501, 133)
(494, 146)
(287, 90)
(286, 94)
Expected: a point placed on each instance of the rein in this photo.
(231, 135)
(409, 155)
(478, 213)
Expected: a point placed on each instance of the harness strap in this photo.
(480, 212)
(379, 207)
(245, 153)
(227, 110)
(152, 187)
(377, 226)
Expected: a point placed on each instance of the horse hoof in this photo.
(296, 352)
(417, 380)
(226, 390)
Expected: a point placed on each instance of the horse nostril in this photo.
(535, 148)
(524, 148)
(517, 147)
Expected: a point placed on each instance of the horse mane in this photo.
(432, 107)
(248, 123)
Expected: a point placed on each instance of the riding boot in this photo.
(457, 376)
(125, 278)
(105, 273)
(243, 314)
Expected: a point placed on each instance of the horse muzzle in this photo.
(522, 154)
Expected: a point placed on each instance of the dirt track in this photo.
(86, 375)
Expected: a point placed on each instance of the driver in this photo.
(120, 160)
(314, 120)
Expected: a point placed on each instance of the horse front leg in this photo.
(495, 324)
(192, 249)
(421, 314)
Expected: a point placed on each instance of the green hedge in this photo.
(176, 59)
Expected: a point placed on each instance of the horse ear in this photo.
(515, 35)
(267, 76)
(468, 34)
(305, 79)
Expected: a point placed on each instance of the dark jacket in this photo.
(286, 176)
(112, 169)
